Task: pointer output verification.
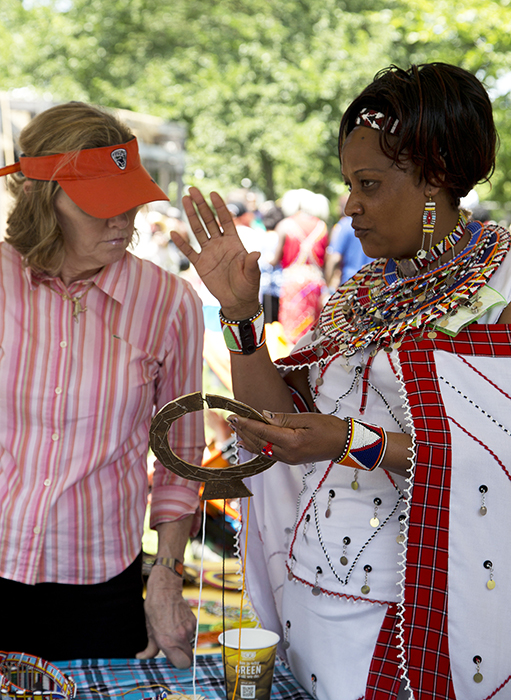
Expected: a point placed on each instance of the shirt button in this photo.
(37, 530)
(58, 390)
(47, 482)
(63, 344)
(55, 437)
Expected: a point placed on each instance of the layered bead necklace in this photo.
(380, 304)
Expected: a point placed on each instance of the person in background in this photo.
(271, 275)
(386, 568)
(243, 218)
(93, 341)
(303, 238)
(344, 254)
(154, 241)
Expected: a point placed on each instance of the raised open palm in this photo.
(228, 271)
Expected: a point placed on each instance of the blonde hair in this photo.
(311, 203)
(32, 227)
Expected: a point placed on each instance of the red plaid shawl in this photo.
(425, 613)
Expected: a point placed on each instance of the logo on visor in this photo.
(120, 158)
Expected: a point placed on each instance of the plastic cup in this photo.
(255, 662)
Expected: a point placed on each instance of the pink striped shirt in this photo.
(76, 400)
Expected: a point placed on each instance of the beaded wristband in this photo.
(27, 677)
(246, 336)
(365, 446)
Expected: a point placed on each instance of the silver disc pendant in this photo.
(344, 561)
(483, 510)
(290, 576)
(328, 513)
(407, 268)
(400, 538)
(365, 589)
(316, 590)
(285, 644)
(374, 522)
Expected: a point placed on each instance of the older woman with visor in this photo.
(385, 567)
(93, 340)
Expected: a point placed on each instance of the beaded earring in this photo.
(428, 226)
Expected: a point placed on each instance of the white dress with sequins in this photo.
(311, 531)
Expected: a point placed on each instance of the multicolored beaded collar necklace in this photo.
(379, 305)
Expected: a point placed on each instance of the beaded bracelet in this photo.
(365, 446)
(27, 677)
(246, 336)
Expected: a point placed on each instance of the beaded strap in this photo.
(26, 677)
(365, 446)
(246, 336)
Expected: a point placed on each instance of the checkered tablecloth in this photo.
(135, 680)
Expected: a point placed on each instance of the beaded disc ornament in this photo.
(29, 677)
(224, 482)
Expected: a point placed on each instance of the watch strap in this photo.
(174, 565)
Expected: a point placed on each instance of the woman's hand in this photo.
(228, 271)
(170, 622)
(296, 438)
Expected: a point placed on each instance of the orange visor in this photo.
(104, 182)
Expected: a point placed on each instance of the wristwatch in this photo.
(174, 565)
(27, 677)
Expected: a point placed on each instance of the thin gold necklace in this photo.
(75, 300)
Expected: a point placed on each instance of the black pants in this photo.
(58, 621)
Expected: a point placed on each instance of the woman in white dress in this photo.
(378, 556)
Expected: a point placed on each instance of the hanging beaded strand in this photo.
(286, 644)
(316, 590)
(490, 584)
(483, 490)
(478, 676)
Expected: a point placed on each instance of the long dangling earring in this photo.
(428, 226)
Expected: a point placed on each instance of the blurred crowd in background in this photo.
(305, 252)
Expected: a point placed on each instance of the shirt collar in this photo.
(112, 279)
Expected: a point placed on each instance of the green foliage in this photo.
(260, 85)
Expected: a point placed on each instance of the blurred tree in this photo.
(260, 85)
